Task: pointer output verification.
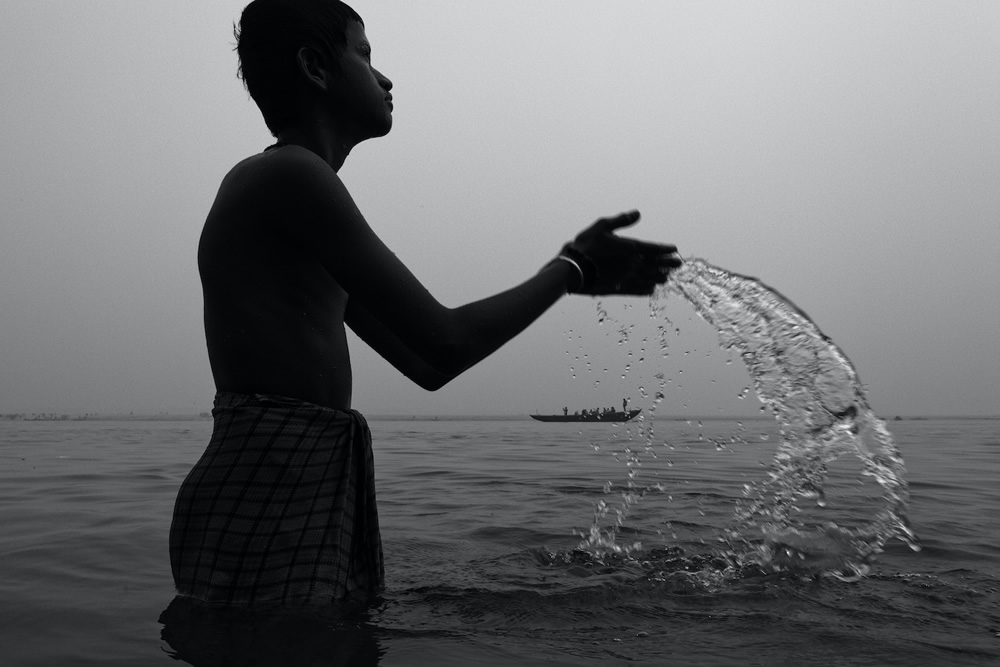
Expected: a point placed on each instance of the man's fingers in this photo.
(645, 248)
(619, 221)
(671, 260)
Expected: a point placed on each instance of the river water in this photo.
(481, 522)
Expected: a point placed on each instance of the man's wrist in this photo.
(585, 267)
(576, 275)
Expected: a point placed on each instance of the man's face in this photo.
(360, 93)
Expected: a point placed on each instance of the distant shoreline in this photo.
(206, 416)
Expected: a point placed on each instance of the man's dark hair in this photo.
(268, 38)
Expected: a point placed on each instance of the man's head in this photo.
(269, 38)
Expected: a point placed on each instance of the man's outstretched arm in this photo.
(394, 350)
(391, 310)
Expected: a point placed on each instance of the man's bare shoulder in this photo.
(278, 172)
(290, 185)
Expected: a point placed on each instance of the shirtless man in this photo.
(281, 507)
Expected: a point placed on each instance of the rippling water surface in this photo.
(481, 522)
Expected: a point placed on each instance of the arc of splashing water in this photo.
(814, 392)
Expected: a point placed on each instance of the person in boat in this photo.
(281, 509)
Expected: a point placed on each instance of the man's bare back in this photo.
(274, 316)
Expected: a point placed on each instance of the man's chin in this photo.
(375, 130)
(382, 130)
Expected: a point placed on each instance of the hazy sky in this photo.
(847, 153)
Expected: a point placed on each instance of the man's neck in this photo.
(321, 139)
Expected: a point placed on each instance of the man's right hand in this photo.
(615, 265)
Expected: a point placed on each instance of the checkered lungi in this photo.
(280, 508)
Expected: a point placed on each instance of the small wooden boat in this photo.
(610, 416)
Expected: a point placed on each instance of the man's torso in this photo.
(274, 316)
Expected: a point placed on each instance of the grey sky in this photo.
(847, 153)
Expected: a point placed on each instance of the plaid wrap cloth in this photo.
(280, 508)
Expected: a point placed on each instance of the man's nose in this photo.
(384, 81)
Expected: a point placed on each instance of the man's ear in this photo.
(313, 67)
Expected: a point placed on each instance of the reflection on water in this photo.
(212, 636)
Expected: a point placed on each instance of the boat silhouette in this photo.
(590, 416)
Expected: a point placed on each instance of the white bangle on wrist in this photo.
(579, 271)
